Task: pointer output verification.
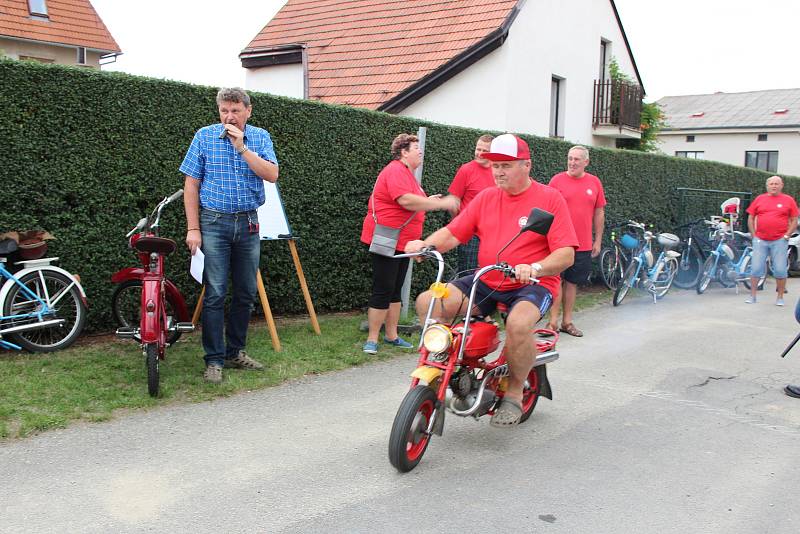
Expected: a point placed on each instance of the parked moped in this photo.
(455, 370)
(155, 327)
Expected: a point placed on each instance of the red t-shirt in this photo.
(583, 196)
(495, 217)
(470, 180)
(773, 214)
(394, 181)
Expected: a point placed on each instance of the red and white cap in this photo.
(507, 147)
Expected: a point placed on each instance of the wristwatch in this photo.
(536, 267)
(242, 150)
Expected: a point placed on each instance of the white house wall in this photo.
(730, 147)
(510, 88)
(281, 80)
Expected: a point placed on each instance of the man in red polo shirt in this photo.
(586, 200)
(471, 179)
(496, 216)
(773, 218)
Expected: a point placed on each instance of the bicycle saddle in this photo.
(745, 235)
(159, 245)
(7, 246)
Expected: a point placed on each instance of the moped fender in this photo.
(173, 293)
(19, 274)
(149, 329)
(128, 273)
(544, 389)
(728, 251)
(672, 254)
(428, 374)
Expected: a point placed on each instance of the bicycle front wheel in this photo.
(625, 283)
(610, 267)
(689, 269)
(63, 298)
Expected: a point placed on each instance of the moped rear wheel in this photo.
(409, 439)
(625, 283)
(125, 304)
(667, 277)
(689, 269)
(705, 276)
(151, 357)
(746, 267)
(530, 396)
(610, 266)
(66, 304)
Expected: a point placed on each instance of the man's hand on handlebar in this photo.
(193, 240)
(524, 273)
(415, 246)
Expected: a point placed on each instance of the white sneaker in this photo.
(750, 300)
(779, 302)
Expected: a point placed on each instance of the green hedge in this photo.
(87, 153)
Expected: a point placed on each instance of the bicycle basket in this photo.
(668, 240)
(628, 241)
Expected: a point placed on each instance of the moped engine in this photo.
(462, 396)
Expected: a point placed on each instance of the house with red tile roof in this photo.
(68, 32)
(526, 66)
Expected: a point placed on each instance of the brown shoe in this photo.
(570, 329)
(213, 373)
(243, 361)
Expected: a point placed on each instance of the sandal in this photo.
(507, 414)
(570, 329)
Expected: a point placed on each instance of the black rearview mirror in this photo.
(539, 221)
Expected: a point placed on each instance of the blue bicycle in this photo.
(43, 306)
(653, 275)
(722, 264)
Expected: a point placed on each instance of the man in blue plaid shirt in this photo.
(225, 167)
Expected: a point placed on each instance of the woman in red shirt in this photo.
(396, 200)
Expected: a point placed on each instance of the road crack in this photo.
(710, 378)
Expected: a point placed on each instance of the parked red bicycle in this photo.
(159, 300)
(458, 370)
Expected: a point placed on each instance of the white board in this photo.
(271, 215)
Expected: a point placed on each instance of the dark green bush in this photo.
(87, 153)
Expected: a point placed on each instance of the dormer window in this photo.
(38, 8)
(698, 114)
(781, 111)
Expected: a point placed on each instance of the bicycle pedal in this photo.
(127, 332)
(184, 327)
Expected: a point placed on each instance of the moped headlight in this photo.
(437, 338)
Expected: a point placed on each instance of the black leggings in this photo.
(388, 275)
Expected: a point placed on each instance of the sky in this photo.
(681, 47)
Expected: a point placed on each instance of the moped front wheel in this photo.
(530, 395)
(126, 301)
(409, 438)
(706, 275)
(151, 360)
(625, 283)
(65, 305)
(746, 267)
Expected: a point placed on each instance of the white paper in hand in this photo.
(196, 268)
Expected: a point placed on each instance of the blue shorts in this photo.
(778, 252)
(486, 298)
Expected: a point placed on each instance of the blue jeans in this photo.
(778, 252)
(230, 248)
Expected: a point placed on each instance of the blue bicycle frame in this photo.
(720, 264)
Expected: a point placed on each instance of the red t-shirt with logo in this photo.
(583, 196)
(773, 212)
(471, 179)
(394, 181)
(496, 217)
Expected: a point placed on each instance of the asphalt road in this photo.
(667, 418)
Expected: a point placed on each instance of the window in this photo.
(81, 55)
(557, 107)
(38, 8)
(762, 137)
(766, 160)
(690, 139)
(38, 59)
(605, 56)
(696, 154)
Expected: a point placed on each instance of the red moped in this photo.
(159, 300)
(458, 369)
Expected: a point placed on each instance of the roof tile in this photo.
(364, 52)
(72, 22)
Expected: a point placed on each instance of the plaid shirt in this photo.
(227, 184)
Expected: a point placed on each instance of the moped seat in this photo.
(159, 245)
(745, 235)
(7, 246)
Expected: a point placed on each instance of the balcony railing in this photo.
(617, 104)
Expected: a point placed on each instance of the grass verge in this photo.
(100, 377)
